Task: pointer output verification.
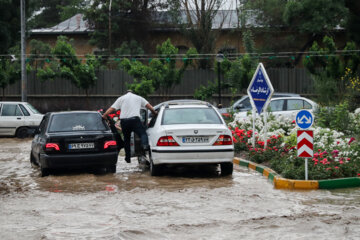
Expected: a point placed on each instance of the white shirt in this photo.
(130, 105)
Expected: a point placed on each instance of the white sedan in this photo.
(18, 119)
(286, 107)
(188, 132)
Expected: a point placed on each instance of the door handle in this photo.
(18, 118)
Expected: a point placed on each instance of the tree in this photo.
(40, 54)
(353, 26)
(300, 19)
(9, 73)
(124, 20)
(9, 24)
(199, 26)
(49, 13)
(331, 72)
(161, 74)
(315, 19)
(68, 66)
(237, 73)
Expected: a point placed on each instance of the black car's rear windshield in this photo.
(190, 116)
(68, 122)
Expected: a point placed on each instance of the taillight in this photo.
(52, 146)
(226, 115)
(223, 140)
(167, 141)
(109, 144)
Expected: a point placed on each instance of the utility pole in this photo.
(23, 53)
(110, 28)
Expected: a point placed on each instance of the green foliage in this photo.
(40, 54)
(68, 66)
(237, 75)
(198, 26)
(316, 16)
(129, 20)
(9, 24)
(161, 74)
(10, 72)
(328, 68)
(337, 118)
(131, 48)
(50, 13)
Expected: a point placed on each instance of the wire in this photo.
(201, 56)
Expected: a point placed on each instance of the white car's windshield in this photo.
(34, 110)
(190, 116)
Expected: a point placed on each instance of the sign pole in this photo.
(253, 136)
(260, 91)
(265, 128)
(306, 168)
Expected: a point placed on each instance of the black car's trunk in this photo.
(82, 142)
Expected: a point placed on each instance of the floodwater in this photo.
(186, 203)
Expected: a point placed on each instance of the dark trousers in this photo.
(129, 125)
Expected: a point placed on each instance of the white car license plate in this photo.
(81, 145)
(195, 139)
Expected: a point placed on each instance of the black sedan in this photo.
(74, 139)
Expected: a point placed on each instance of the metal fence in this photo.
(113, 82)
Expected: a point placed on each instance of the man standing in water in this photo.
(130, 105)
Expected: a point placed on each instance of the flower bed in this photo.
(335, 154)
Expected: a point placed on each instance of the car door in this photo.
(11, 118)
(293, 106)
(277, 107)
(39, 138)
(135, 141)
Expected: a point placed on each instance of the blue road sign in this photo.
(260, 89)
(304, 119)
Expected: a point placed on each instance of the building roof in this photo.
(75, 24)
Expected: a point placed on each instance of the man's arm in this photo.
(110, 110)
(148, 106)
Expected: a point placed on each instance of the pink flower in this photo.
(327, 169)
(335, 153)
(336, 167)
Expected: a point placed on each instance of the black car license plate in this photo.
(81, 145)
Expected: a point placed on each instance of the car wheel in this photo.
(22, 132)
(32, 160)
(111, 169)
(155, 170)
(44, 172)
(226, 168)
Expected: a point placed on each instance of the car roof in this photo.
(12, 102)
(183, 102)
(72, 112)
(303, 98)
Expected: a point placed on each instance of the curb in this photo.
(284, 183)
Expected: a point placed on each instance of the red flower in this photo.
(351, 140)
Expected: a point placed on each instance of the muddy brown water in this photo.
(186, 203)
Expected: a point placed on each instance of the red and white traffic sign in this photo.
(305, 143)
